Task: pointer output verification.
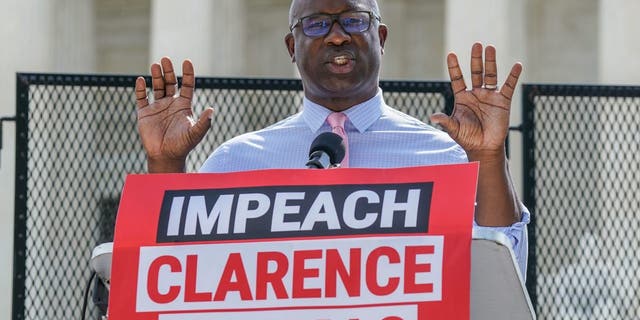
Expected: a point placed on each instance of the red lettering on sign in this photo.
(350, 279)
(233, 267)
(372, 271)
(263, 276)
(411, 267)
(289, 275)
(152, 284)
(190, 294)
(301, 272)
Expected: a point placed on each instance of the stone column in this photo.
(210, 33)
(73, 45)
(562, 41)
(415, 46)
(619, 49)
(502, 24)
(21, 20)
(71, 50)
(497, 22)
(265, 50)
(619, 63)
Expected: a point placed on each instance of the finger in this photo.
(188, 80)
(457, 81)
(512, 81)
(141, 93)
(157, 81)
(170, 81)
(447, 123)
(490, 68)
(476, 65)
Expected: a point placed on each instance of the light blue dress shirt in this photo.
(379, 137)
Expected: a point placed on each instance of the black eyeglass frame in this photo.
(335, 18)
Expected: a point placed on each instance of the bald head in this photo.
(297, 4)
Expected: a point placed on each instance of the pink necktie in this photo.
(336, 121)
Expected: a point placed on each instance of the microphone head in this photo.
(331, 144)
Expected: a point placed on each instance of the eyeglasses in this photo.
(318, 25)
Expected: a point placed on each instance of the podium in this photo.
(497, 291)
(497, 287)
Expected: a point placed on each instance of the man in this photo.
(337, 46)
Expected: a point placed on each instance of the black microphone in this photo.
(326, 150)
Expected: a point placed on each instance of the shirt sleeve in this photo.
(517, 233)
(216, 161)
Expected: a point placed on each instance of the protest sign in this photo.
(383, 244)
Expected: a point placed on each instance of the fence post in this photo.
(20, 219)
(529, 180)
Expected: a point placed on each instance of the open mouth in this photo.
(341, 64)
(341, 60)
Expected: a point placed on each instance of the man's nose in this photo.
(337, 36)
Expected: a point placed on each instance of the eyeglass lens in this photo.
(320, 24)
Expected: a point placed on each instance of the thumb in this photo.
(448, 124)
(204, 123)
(442, 120)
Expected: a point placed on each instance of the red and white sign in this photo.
(383, 244)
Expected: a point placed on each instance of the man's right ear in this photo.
(291, 46)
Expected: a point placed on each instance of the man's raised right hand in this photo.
(167, 126)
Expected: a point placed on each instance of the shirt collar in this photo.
(362, 115)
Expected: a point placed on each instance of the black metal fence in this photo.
(77, 140)
(582, 182)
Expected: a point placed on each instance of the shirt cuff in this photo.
(517, 233)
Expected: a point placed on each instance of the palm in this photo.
(480, 119)
(165, 128)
